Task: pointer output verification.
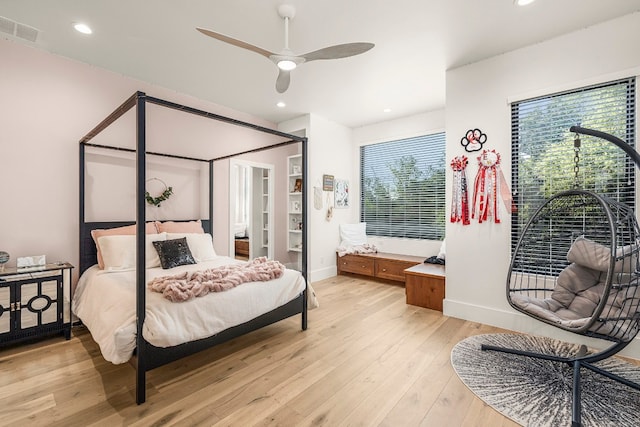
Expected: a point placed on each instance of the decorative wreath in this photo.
(155, 201)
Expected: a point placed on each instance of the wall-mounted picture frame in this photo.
(341, 199)
(327, 182)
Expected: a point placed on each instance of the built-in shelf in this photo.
(265, 207)
(294, 181)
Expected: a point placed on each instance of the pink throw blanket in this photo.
(191, 284)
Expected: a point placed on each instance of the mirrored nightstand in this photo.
(35, 302)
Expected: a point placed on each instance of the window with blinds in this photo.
(543, 155)
(403, 187)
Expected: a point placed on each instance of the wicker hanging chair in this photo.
(575, 267)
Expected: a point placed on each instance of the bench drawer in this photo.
(356, 264)
(392, 269)
(242, 247)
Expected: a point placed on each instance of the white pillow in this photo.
(119, 251)
(442, 253)
(200, 245)
(353, 234)
(240, 229)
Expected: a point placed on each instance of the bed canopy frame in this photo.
(147, 356)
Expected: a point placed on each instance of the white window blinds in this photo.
(403, 187)
(543, 157)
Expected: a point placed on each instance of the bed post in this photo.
(81, 212)
(140, 246)
(305, 231)
(210, 196)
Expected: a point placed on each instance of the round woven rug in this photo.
(534, 392)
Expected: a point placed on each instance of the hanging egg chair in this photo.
(593, 289)
(575, 266)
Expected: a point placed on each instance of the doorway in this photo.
(250, 209)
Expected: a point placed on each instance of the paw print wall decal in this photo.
(473, 140)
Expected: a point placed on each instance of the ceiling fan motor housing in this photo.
(286, 11)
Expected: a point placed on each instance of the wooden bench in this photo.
(425, 285)
(242, 247)
(380, 265)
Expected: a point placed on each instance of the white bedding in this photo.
(105, 302)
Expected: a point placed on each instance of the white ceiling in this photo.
(416, 42)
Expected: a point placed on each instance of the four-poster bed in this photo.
(148, 356)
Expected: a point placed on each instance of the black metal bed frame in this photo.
(147, 356)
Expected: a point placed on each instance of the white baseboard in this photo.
(323, 273)
(515, 321)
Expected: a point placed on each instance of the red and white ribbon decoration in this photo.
(460, 199)
(488, 182)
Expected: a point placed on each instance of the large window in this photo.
(403, 187)
(543, 157)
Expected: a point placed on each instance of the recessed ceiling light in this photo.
(281, 104)
(523, 2)
(82, 28)
(386, 110)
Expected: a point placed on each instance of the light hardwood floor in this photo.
(367, 359)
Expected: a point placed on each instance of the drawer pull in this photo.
(384, 269)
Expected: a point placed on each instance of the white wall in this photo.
(406, 127)
(110, 193)
(47, 103)
(329, 153)
(333, 149)
(478, 95)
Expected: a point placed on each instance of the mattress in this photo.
(105, 301)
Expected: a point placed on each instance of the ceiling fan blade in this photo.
(338, 51)
(282, 83)
(235, 42)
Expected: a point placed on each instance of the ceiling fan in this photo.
(286, 60)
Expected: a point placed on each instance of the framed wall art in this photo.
(327, 182)
(341, 199)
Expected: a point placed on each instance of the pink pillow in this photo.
(150, 228)
(180, 227)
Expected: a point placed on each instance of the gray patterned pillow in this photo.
(174, 252)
